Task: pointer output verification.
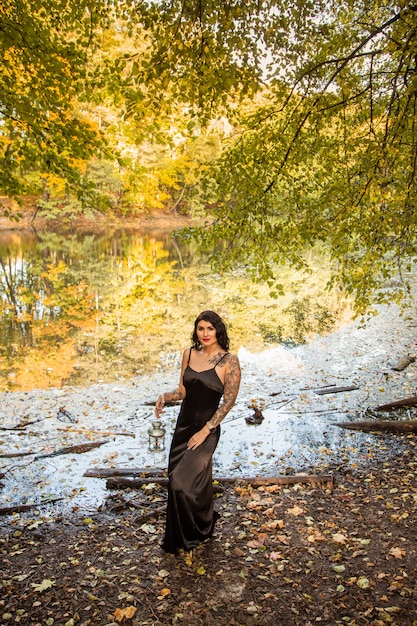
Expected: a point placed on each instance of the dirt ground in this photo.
(340, 553)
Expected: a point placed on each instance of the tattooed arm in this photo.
(231, 388)
(170, 396)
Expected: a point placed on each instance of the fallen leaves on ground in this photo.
(311, 555)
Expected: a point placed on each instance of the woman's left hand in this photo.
(198, 438)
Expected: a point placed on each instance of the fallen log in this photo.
(77, 449)
(387, 426)
(412, 401)
(256, 481)
(106, 472)
(325, 390)
(17, 508)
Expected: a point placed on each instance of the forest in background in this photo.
(282, 126)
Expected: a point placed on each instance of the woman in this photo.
(208, 372)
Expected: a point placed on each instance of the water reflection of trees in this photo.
(84, 308)
(72, 290)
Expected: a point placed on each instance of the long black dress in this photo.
(190, 515)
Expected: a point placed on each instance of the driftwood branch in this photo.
(20, 426)
(406, 426)
(169, 403)
(77, 449)
(155, 513)
(17, 508)
(412, 401)
(13, 455)
(325, 390)
(105, 433)
(121, 503)
(105, 472)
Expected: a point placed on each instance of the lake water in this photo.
(81, 309)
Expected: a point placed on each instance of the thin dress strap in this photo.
(221, 359)
(189, 356)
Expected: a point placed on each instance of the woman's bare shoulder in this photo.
(232, 359)
(186, 354)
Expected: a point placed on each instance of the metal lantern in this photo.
(156, 437)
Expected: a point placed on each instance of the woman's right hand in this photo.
(159, 405)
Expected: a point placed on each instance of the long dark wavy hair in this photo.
(221, 333)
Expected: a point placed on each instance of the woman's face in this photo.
(206, 333)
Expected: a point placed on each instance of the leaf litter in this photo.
(339, 553)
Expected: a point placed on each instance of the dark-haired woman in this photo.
(208, 373)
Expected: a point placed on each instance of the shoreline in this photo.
(97, 223)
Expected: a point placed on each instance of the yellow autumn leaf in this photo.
(397, 552)
(201, 570)
(270, 512)
(126, 613)
(272, 488)
(339, 538)
(296, 510)
(165, 592)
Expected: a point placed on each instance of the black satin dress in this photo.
(190, 515)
